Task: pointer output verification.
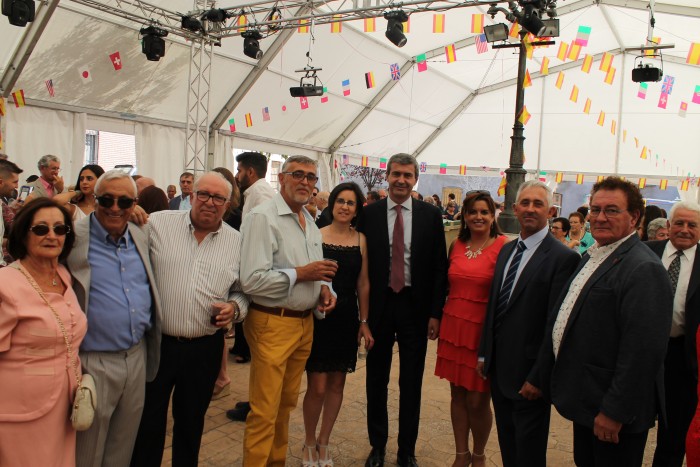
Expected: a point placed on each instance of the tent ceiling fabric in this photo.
(559, 135)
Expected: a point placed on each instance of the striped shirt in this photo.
(191, 276)
(273, 245)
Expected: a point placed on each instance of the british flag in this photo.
(667, 86)
(423, 167)
(395, 71)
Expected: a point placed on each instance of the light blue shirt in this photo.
(532, 243)
(185, 204)
(119, 309)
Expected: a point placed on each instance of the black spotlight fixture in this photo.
(191, 24)
(531, 20)
(216, 15)
(251, 46)
(19, 12)
(394, 27)
(152, 43)
(496, 32)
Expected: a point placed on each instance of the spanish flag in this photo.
(587, 62)
(685, 184)
(242, 21)
(303, 26)
(560, 80)
(248, 120)
(601, 118)
(579, 179)
(587, 106)
(370, 24)
(663, 184)
(450, 53)
(610, 75)
(2, 106)
(337, 26)
(613, 127)
(527, 80)
(365, 161)
(477, 24)
(644, 154)
(463, 170)
(524, 116)
(642, 183)
(544, 68)
(18, 97)
(560, 177)
(502, 187)
(438, 23)
(574, 94)
(514, 31)
(693, 54)
(563, 47)
(574, 51)
(606, 62)
(600, 178)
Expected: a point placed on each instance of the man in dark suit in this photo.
(608, 340)
(679, 256)
(408, 272)
(526, 284)
(183, 202)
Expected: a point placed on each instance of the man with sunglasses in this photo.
(116, 289)
(607, 337)
(196, 259)
(283, 271)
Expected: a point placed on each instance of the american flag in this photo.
(395, 71)
(423, 167)
(266, 114)
(345, 159)
(49, 87)
(481, 44)
(667, 86)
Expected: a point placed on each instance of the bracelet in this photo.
(363, 321)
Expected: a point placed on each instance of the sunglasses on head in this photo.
(123, 202)
(41, 230)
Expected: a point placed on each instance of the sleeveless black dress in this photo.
(335, 338)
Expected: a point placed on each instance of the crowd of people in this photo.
(596, 314)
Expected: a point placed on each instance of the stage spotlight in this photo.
(152, 43)
(251, 46)
(394, 27)
(216, 15)
(19, 12)
(496, 33)
(531, 20)
(191, 24)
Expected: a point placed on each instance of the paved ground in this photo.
(222, 444)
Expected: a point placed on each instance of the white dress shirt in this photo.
(532, 243)
(687, 260)
(407, 213)
(256, 194)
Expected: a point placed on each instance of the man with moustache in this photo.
(116, 289)
(283, 271)
(408, 273)
(196, 258)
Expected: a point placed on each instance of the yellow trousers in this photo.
(279, 348)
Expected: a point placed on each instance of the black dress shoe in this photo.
(239, 414)
(406, 461)
(376, 458)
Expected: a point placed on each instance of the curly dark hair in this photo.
(635, 202)
(347, 186)
(17, 238)
(469, 201)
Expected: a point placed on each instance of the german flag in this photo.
(369, 79)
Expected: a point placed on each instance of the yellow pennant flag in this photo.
(303, 26)
(242, 21)
(514, 31)
(642, 183)
(574, 94)
(644, 154)
(560, 80)
(663, 184)
(613, 127)
(524, 116)
(370, 24)
(601, 118)
(587, 62)
(600, 178)
(2, 106)
(587, 107)
(527, 81)
(438, 23)
(560, 177)
(685, 184)
(579, 179)
(544, 67)
(606, 61)
(610, 75)
(561, 54)
(693, 54)
(337, 26)
(477, 23)
(574, 51)
(502, 187)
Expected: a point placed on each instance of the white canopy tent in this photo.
(454, 114)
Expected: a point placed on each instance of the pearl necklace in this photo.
(474, 254)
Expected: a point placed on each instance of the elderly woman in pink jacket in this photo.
(41, 328)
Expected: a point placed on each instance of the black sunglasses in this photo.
(41, 230)
(123, 202)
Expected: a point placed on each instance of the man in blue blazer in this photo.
(183, 202)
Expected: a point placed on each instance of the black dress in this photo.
(335, 338)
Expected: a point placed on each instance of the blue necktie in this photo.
(508, 283)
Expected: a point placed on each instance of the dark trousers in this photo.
(589, 451)
(399, 322)
(523, 428)
(681, 401)
(190, 367)
(240, 344)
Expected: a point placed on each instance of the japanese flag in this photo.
(85, 74)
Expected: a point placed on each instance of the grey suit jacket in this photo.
(79, 267)
(39, 191)
(612, 352)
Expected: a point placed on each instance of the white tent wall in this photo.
(160, 152)
(32, 132)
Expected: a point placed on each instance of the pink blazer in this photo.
(33, 355)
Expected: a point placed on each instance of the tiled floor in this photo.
(222, 444)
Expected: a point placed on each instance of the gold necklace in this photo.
(473, 254)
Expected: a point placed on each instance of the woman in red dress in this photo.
(472, 260)
(692, 439)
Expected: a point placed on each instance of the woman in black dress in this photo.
(337, 337)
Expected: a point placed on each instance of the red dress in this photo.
(464, 314)
(692, 439)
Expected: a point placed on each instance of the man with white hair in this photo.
(49, 183)
(196, 259)
(114, 283)
(679, 254)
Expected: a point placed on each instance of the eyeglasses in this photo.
(300, 174)
(41, 230)
(205, 196)
(123, 202)
(609, 212)
(342, 202)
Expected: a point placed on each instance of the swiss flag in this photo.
(304, 102)
(116, 60)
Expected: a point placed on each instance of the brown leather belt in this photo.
(284, 312)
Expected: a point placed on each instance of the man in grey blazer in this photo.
(608, 341)
(116, 289)
(49, 183)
